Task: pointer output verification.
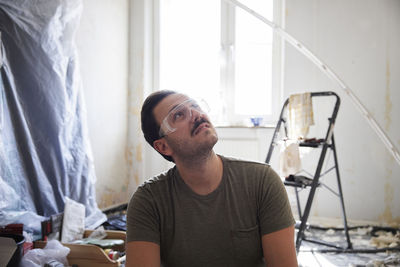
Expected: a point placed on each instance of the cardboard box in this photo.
(85, 255)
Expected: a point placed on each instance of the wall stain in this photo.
(139, 153)
(387, 215)
(136, 177)
(107, 197)
(106, 200)
(129, 155)
(110, 197)
(388, 102)
(135, 111)
(125, 185)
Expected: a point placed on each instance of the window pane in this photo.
(253, 64)
(190, 48)
(231, 70)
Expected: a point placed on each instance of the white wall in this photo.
(359, 40)
(102, 42)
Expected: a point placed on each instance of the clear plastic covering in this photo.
(45, 153)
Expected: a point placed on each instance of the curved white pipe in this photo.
(329, 72)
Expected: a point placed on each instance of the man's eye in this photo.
(178, 115)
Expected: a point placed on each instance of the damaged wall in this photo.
(102, 42)
(359, 40)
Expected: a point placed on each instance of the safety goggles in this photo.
(180, 114)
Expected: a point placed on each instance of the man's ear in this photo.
(162, 147)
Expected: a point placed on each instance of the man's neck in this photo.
(202, 176)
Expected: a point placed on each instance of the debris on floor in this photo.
(373, 246)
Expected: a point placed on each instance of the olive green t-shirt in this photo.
(223, 228)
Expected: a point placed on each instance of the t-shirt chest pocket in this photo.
(247, 243)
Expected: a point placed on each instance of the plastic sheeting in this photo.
(45, 153)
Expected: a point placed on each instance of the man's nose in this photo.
(196, 114)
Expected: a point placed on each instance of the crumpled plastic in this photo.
(53, 250)
(45, 153)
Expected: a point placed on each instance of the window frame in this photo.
(227, 75)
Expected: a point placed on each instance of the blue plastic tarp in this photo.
(45, 153)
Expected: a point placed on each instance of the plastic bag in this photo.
(37, 257)
(73, 221)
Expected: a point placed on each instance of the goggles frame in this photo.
(200, 106)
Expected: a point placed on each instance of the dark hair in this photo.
(150, 126)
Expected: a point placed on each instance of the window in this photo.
(216, 51)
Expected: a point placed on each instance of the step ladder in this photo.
(300, 182)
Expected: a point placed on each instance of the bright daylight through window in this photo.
(212, 50)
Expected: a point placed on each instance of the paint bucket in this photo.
(18, 253)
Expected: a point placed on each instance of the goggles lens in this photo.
(181, 113)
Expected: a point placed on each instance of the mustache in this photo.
(197, 124)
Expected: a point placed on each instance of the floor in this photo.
(367, 239)
(372, 247)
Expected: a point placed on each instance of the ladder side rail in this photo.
(314, 185)
(296, 190)
(310, 198)
(346, 229)
(276, 132)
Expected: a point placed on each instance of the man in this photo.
(208, 210)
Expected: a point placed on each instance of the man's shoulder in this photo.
(159, 181)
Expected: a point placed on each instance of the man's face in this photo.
(192, 136)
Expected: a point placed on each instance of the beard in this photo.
(191, 150)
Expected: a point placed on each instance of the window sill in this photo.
(244, 132)
(271, 126)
